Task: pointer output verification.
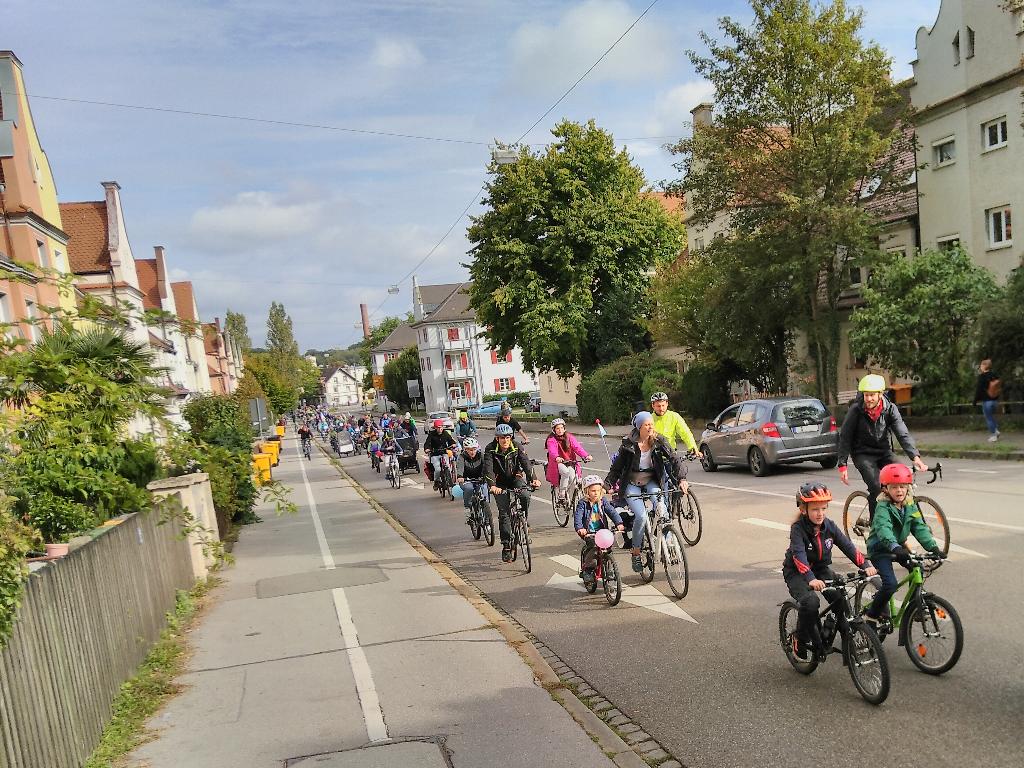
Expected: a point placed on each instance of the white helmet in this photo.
(557, 422)
(470, 442)
(590, 480)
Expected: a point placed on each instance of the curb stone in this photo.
(541, 659)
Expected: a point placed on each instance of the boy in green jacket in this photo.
(897, 518)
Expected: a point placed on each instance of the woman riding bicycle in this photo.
(642, 461)
(865, 437)
(563, 449)
(470, 474)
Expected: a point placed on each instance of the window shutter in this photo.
(508, 357)
(512, 384)
(448, 362)
(465, 360)
(497, 383)
(469, 389)
(494, 357)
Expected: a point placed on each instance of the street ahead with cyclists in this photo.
(708, 675)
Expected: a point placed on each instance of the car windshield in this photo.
(439, 415)
(802, 412)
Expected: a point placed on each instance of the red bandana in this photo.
(874, 413)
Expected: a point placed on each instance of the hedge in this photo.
(515, 399)
(614, 392)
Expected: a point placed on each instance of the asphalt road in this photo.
(706, 676)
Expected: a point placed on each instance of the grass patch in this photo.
(145, 693)
(986, 446)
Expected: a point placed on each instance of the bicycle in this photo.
(857, 518)
(445, 478)
(671, 550)
(520, 530)
(607, 570)
(480, 521)
(373, 450)
(564, 511)
(391, 471)
(306, 442)
(862, 650)
(927, 624)
(686, 509)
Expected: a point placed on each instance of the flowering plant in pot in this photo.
(58, 520)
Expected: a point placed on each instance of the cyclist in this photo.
(409, 423)
(505, 417)
(865, 436)
(641, 462)
(563, 449)
(305, 435)
(897, 518)
(807, 566)
(507, 470)
(465, 426)
(389, 450)
(436, 444)
(672, 427)
(470, 474)
(591, 515)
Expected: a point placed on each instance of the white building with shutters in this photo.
(457, 368)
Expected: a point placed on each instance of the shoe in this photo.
(627, 541)
(506, 555)
(799, 649)
(638, 564)
(994, 438)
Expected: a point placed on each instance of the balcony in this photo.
(459, 374)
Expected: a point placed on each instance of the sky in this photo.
(322, 219)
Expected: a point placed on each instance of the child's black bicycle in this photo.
(861, 649)
(480, 521)
(607, 570)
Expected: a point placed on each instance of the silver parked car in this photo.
(777, 430)
(449, 422)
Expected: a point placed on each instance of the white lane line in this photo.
(646, 596)
(373, 716)
(1001, 526)
(744, 490)
(979, 471)
(765, 523)
(964, 550)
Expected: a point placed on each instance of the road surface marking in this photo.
(765, 523)
(647, 596)
(744, 490)
(979, 471)
(373, 717)
(1003, 526)
(964, 550)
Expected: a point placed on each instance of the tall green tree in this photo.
(397, 374)
(280, 334)
(238, 329)
(919, 319)
(561, 257)
(1001, 334)
(806, 114)
(282, 393)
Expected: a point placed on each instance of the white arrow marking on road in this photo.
(765, 523)
(648, 596)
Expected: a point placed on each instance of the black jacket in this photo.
(981, 389)
(810, 553)
(435, 442)
(859, 434)
(471, 469)
(500, 469)
(516, 426)
(627, 460)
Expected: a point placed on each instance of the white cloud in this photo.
(551, 56)
(255, 217)
(671, 110)
(393, 54)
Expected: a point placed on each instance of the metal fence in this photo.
(85, 625)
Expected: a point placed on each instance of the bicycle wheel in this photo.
(397, 471)
(857, 519)
(866, 661)
(866, 594)
(524, 545)
(488, 527)
(647, 558)
(612, 580)
(787, 635)
(475, 526)
(935, 518)
(561, 512)
(673, 554)
(933, 635)
(688, 516)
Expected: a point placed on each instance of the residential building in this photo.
(395, 344)
(343, 386)
(967, 85)
(33, 238)
(223, 358)
(457, 367)
(192, 332)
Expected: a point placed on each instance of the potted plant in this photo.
(58, 520)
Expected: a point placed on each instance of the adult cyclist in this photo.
(464, 427)
(305, 435)
(866, 436)
(436, 444)
(670, 425)
(505, 417)
(507, 470)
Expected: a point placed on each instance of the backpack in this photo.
(995, 389)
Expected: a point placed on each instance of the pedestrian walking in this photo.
(987, 392)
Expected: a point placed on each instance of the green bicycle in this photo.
(928, 625)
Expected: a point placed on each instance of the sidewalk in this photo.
(333, 643)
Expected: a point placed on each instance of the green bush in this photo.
(515, 399)
(16, 540)
(220, 420)
(614, 392)
(705, 391)
(57, 518)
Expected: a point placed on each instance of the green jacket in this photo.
(892, 525)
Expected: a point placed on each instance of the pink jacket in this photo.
(575, 453)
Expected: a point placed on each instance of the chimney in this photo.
(161, 271)
(365, 313)
(113, 225)
(702, 114)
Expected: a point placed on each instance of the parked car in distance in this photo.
(449, 422)
(765, 433)
(487, 409)
(533, 406)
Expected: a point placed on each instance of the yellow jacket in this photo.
(672, 426)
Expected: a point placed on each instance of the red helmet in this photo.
(896, 473)
(438, 423)
(813, 492)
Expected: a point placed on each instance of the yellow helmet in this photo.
(872, 383)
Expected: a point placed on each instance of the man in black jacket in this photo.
(987, 393)
(507, 469)
(865, 437)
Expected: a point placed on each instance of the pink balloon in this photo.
(604, 538)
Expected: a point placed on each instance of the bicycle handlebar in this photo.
(936, 472)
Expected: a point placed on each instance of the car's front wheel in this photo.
(707, 461)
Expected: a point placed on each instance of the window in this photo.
(899, 250)
(994, 134)
(855, 276)
(453, 334)
(430, 365)
(44, 256)
(948, 243)
(551, 386)
(956, 50)
(56, 259)
(970, 43)
(997, 221)
(944, 152)
(566, 383)
(698, 244)
(869, 187)
(5, 317)
(728, 418)
(748, 415)
(35, 332)
(504, 385)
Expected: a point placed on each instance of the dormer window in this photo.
(970, 43)
(956, 50)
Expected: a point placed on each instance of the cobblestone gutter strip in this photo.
(625, 742)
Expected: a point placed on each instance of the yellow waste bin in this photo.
(261, 465)
(280, 430)
(274, 449)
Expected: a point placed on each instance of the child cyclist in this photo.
(590, 516)
(897, 518)
(809, 558)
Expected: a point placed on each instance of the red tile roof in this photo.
(86, 225)
(146, 269)
(670, 203)
(184, 300)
